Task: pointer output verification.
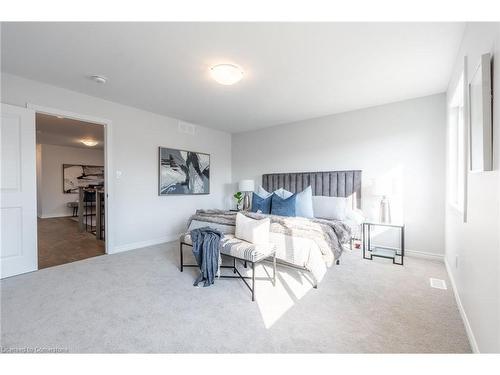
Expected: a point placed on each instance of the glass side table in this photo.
(370, 251)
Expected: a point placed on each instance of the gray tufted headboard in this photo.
(330, 184)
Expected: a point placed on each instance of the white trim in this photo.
(468, 328)
(466, 141)
(67, 114)
(455, 207)
(141, 244)
(108, 161)
(425, 255)
(418, 254)
(52, 216)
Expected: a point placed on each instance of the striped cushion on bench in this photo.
(232, 246)
(245, 250)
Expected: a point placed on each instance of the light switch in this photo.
(118, 174)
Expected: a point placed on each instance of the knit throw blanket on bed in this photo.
(329, 235)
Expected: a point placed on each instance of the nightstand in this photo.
(370, 251)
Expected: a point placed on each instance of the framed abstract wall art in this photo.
(183, 172)
(75, 176)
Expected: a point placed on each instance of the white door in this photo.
(18, 253)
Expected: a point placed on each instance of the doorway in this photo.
(18, 185)
(71, 209)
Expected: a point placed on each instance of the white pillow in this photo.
(330, 207)
(282, 193)
(263, 193)
(251, 230)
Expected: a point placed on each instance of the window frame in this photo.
(457, 150)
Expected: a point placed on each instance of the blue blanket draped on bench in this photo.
(206, 252)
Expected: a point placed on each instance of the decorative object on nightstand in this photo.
(239, 197)
(370, 251)
(246, 186)
(384, 190)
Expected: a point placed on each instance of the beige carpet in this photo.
(138, 301)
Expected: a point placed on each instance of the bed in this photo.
(313, 244)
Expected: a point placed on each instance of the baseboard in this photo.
(468, 328)
(419, 254)
(141, 244)
(53, 216)
(425, 255)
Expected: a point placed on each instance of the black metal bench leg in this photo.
(253, 281)
(245, 264)
(234, 265)
(182, 264)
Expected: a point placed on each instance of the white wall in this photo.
(52, 200)
(400, 143)
(476, 243)
(140, 217)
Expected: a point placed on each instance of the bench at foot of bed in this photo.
(243, 251)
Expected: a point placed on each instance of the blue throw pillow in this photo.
(304, 203)
(261, 204)
(283, 207)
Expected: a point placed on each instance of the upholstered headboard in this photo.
(330, 184)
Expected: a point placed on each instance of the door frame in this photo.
(108, 162)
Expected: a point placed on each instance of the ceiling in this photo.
(293, 71)
(53, 130)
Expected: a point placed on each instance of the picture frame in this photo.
(183, 172)
(81, 175)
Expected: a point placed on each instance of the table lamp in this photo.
(246, 186)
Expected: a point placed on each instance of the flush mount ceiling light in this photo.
(226, 74)
(99, 79)
(89, 142)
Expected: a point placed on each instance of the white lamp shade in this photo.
(246, 185)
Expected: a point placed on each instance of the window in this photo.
(456, 147)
